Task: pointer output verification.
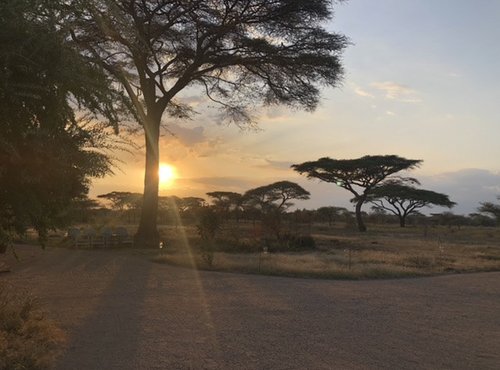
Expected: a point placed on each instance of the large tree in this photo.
(47, 155)
(359, 176)
(237, 52)
(401, 198)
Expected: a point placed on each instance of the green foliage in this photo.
(47, 155)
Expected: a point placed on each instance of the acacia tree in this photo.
(359, 176)
(122, 200)
(238, 52)
(226, 201)
(403, 200)
(273, 200)
(490, 209)
(275, 196)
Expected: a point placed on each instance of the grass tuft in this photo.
(28, 340)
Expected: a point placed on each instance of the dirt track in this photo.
(123, 312)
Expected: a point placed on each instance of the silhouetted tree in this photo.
(402, 200)
(477, 219)
(238, 52)
(226, 201)
(359, 176)
(276, 195)
(273, 200)
(330, 214)
(47, 156)
(121, 200)
(449, 219)
(490, 209)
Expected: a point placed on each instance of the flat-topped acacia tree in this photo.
(360, 176)
(402, 199)
(238, 53)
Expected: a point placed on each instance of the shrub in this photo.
(294, 243)
(209, 223)
(207, 249)
(28, 340)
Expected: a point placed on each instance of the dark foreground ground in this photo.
(123, 312)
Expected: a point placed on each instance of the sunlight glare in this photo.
(167, 174)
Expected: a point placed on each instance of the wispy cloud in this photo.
(222, 182)
(359, 91)
(395, 91)
(277, 165)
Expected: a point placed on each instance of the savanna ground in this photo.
(385, 251)
(120, 310)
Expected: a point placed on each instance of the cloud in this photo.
(359, 91)
(187, 136)
(467, 187)
(390, 113)
(395, 91)
(277, 165)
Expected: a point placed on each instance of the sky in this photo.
(421, 81)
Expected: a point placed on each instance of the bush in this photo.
(28, 340)
(294, 243)
(209, 223)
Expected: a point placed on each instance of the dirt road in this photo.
(123, 312)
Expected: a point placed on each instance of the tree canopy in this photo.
(238, 53)
(47, 155)
(402, 200)
(490, 209)
(359, 176)
(276, 196)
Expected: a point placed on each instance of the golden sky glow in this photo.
(409, 89)
(167, 174)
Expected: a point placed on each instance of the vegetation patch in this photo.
(336, 253)
(28, 340)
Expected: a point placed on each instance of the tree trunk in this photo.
(359, 219)
(147, 234)
(402, 221)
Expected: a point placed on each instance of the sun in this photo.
(167, 174)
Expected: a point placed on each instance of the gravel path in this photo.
(123, 312)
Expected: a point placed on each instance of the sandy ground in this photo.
(122, 311)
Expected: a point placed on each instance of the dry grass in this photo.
(386, 251)
(28, 340)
